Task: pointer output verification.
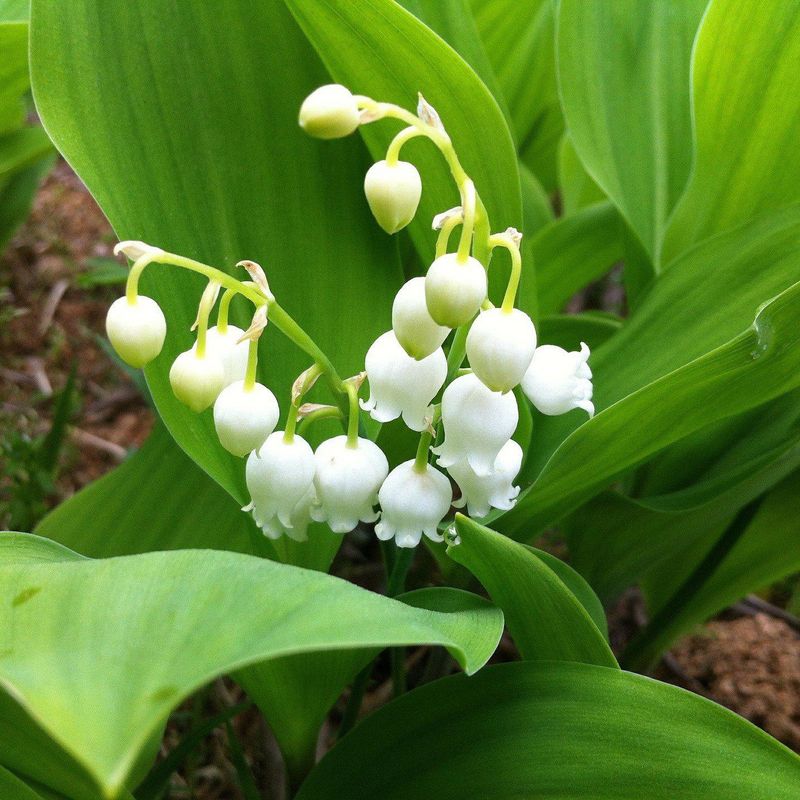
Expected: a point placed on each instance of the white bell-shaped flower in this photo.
(136, 329)
(329, 112)
(399, 384)
(197, 380)
(455, 290)
(227, 347)
(413, 502)
(244, 416)
(280, 479)
(495, 490)
(412, 323)
(477, 423)
(393, 192)
(558, 381)
(500, 346)
(300, 518)
(347, 482)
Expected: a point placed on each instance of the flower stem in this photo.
(224, 308)
(352, 414)
(425, 439)
(207, 301)
(252, 365)
(393, 151)
(329, 412)
(444, 234)
(505, 240)
(291, 421)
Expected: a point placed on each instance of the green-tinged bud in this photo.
(455, 290)
(393, 192)
(413, 325)
(136, 329)
(197, 380)
(329, 112)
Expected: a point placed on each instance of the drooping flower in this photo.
(412, 323)
(495, 490)
(347, 481)
(329, 112)
(228, 349)
(413, 502)
(477, 423)
(300, 518)
(454, 289)
(399, 384)
(136, 329)
(244, 416)
(500, 346)
(280, 479)
(558, 381)
(393, 192)
(197, 380)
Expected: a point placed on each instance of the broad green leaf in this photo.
(102, 678)
(13, 71)
(520, 40)
(215, 167)
(15, 10)
(616, 540)
(569, 330)
(408, 58)
(623, 71)
(746, 112)
(573, 251)
(576, 186)
(547, 620)
(672, 371)
(536, 208)
(454, 22)
(12, 788)
(16, 195)
(555, 730)
(21, 149)
(768, 550)
(296, 692)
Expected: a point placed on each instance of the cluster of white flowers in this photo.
(347, 478)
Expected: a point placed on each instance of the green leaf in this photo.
(555, 730)
(16, 196)
(101, 679)
(13, 71)
(768, 550)
(568, 330)
(746, 114)
(215, 167)
(623, 72)
(573, 251)
(296, 692)
(21, 149)
(577, 188)
(519, 36)
(545, 617)
(409, 58)
(12, 788)
(715, 365)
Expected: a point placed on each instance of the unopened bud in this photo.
(136, 329)
(244, 417)
(412, 323)
(329, 112)
(558, 381)
(197, 380)
(393, 192)
(455, 290)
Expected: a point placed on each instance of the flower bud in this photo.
(558, 381)
(412, 323)
(398, 384)
(347, 482)
(329, 112)
(393, 192)
(500, 347)
(196, 381)
(412, 503)
(494, 490)
(477, 423)
(244, 417)
(227, 348)
(136, 330)
(455, 290)
(280, 479)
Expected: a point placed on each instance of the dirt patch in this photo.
(752, 666)
(49, 323)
